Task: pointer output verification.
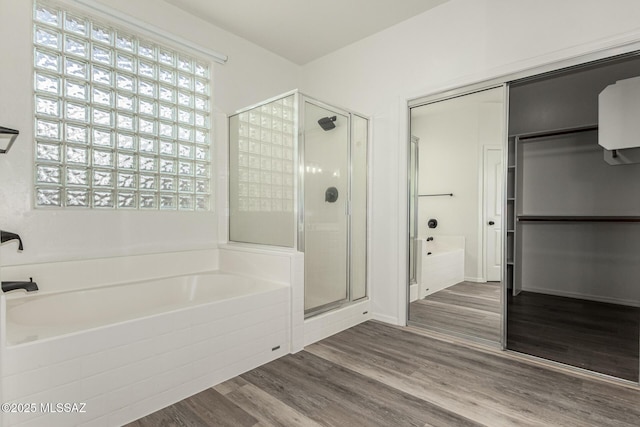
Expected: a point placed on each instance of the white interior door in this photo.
(493, 212)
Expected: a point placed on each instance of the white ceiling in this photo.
(304, 30)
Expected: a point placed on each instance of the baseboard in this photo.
(387, 319)
(576, 295)
(475, 279)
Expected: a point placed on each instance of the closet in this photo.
(573, 225)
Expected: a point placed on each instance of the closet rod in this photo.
(577, 218)
(557, 132)
(435, 195)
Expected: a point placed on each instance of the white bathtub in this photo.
(129, 349)
(31, 316)
(441, 264)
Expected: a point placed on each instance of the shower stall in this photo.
(298, 179)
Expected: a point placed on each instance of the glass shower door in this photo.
(326, 193)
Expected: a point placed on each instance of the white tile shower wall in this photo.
(125, 371)
(60, 276)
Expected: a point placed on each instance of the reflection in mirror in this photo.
(456, 204)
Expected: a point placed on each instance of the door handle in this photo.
(491, 223)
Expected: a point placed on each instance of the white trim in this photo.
(402, 265)
(388, 319)
(145, 28)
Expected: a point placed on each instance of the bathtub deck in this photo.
(380, 375)
(467, 308)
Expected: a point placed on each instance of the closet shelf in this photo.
(556, 132)
(577, 218)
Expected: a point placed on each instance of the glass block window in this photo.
(265, 158)
(120, 122)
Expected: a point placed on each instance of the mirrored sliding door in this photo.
(455, 163)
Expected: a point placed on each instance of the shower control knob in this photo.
(331, 195)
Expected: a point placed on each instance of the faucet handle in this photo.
(6, 236)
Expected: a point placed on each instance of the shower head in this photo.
(327, 123)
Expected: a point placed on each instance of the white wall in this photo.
(251, 74)
(457, 43)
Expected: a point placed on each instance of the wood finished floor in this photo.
(467, 308)
(379, 375)
(592, 335)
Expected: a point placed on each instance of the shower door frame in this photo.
(298, 191)
(300, 244)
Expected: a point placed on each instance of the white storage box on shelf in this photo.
(619, 115)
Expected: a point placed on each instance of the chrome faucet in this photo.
(6, 236)
(29, 286)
